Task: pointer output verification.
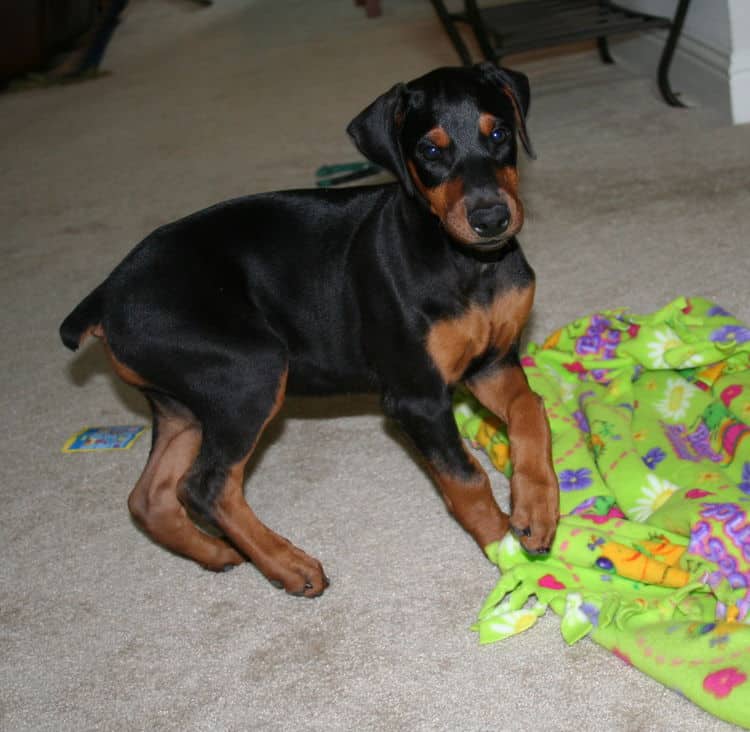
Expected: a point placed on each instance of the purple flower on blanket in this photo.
(735, 333)
(653, 457)
(575, 480)
(591, 612)
(581, 421)
(744, 485)
(719, 311)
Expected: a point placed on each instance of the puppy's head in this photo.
(450, 138)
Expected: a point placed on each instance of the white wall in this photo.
(739, 69)
(706, 19)
(712, 63)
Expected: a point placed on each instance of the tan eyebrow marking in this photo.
(439, 137)
(487, 123)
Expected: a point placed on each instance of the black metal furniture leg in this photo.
(453, 34)
(480, 31)
(666, 57)
(603, 45)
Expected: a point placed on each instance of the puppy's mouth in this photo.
(467, 239)
(488, 245)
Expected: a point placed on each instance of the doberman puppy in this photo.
(407, 289)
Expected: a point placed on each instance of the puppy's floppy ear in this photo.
(376, 132)
(516, 86)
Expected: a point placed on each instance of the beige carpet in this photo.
(630, 202)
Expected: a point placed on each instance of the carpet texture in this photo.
(630, 203)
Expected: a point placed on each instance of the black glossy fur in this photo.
(337, 288)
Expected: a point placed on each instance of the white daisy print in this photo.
(566, 387)
(463, 410)
(664, 340)
(509, 546)
(653, 497)
(677, 397)
(566, 390)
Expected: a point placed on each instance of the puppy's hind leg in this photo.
(154, 503)
(252, 391)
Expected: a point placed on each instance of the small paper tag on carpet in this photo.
(104, 438)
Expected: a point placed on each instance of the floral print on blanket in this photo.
(650, 421)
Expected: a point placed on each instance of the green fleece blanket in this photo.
(650, 420)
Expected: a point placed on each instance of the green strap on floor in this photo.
(650, 421)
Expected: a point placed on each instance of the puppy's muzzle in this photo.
(490, 222)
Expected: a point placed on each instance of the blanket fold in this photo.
(650, 422)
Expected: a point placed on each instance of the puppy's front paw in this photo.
(536, 511)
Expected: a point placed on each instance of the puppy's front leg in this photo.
(464, 485)
(535, 494)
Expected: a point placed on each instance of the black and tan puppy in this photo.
(407, 289)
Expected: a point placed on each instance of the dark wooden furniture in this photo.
(523, 26)
(33, 31)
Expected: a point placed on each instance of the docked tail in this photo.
(85, 319)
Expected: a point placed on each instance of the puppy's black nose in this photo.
(490, 221)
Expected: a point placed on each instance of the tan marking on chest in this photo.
(454, 343)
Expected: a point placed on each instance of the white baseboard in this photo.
(739, 75)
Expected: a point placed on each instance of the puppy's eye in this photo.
(430, 151)
(499, 134)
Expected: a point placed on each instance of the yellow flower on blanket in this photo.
(652, 562)
(487, 430)
(709, 476)
(505, 622)
(552, 340)
(711, 373)
(677, 397)
(500, 455)
(653, 497)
